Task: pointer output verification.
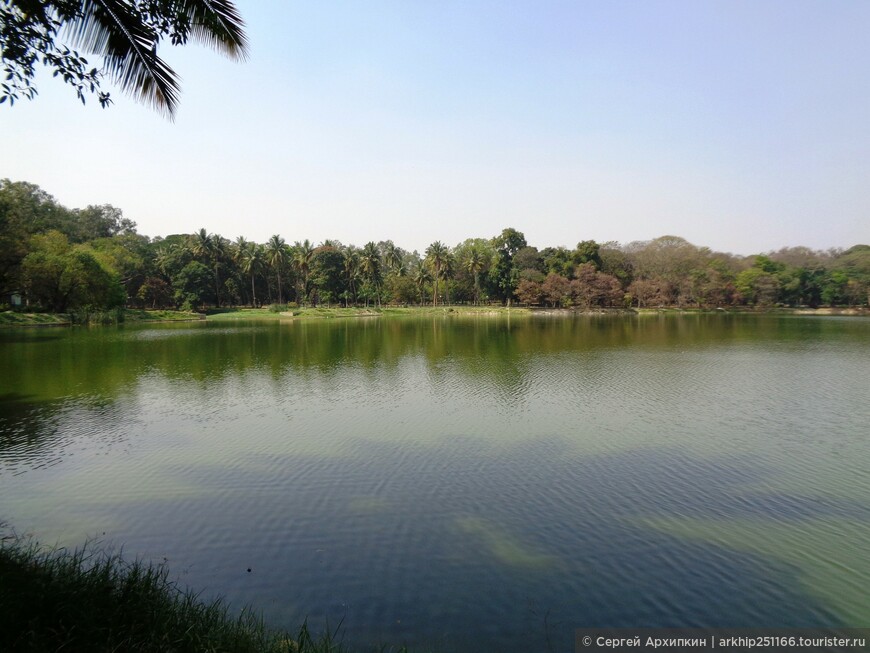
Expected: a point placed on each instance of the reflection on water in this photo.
(468, 484)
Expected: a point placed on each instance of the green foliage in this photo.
(192, 286)
(588, 251)
(63, 277)
(91, 260)
(327, 273)
(123, 34)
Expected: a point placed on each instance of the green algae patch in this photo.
(503, 546)
(827, 554)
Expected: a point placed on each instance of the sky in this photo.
(740, 125)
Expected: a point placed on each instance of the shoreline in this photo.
(134, 316)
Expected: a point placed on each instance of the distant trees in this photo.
(61, 259)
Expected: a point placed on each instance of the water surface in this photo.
(473, 484)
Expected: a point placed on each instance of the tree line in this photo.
(57, 259)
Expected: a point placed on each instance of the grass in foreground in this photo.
(90, 601)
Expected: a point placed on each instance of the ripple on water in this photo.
(483, 489)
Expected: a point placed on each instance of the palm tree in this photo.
(474, 262)
(370, 266)
(303, 253)
(126, 36)
(436, 255)
(220, 248)
(351, 270)
(251, 260)
(392, 257)
(276, 254)
(447, 270)
(421, 278)
(200, 244)
(163, 259)
(209, 248)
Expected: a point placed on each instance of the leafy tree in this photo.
(25, 210)
(615, 262)
(503, 273)
(528, 258)
(103, 221)
(645, 292)
(124, 34)
(192, 285)
(402, 289)
(556, 289)
(125, 255)
(155, 292)
(757, 287)
(529, 292)
(62, 277)
(588, 251)
(327, 273)
(558, 260)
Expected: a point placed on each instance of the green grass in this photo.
(13, 318)
(341, 312)
(90, 601)
(139, 315)
(113, 316)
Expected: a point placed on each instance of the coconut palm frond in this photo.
(218, 24)
(129, 50)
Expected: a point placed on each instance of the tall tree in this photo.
(392, 256)
(302, 255)
(351, 264)
(503, 272)
(251, 262)
(276, 254)
(475, 261)
(422, 277)
(436, 257)
(370, 266)
(210, 250)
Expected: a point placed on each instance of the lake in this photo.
(461, 484)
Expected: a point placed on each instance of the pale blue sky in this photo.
(742, 126)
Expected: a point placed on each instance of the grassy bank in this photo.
(11, 318)
(341, 312)
(89, 601)
(139, 315)
(14, 318)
